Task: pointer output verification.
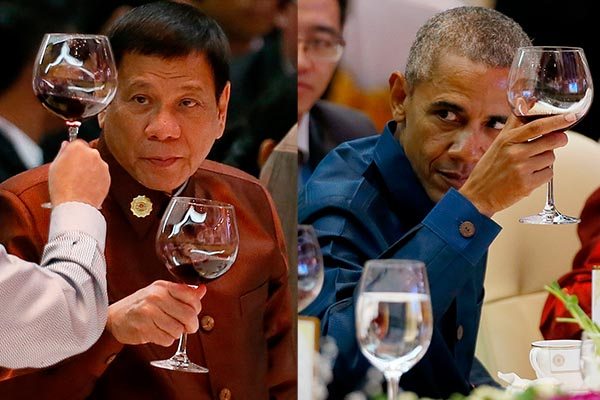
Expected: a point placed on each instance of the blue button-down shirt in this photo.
(365, 202)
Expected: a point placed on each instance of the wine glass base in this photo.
(182, 364)
(549, 217)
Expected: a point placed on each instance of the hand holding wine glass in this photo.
(394, 320)
(546, 81)
(198, 241)
(310, 266)
(75, 76)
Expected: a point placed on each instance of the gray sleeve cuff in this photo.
(78, 217)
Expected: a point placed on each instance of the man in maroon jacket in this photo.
(170, 107)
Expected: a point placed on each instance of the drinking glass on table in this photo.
(394, 320)
(198, 241)
(310, 266)
(546, 81)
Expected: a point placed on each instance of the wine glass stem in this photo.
(393, 385)
(550, 196)
(73, 129)
(181, 347)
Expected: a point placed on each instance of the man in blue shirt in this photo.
(426, 189)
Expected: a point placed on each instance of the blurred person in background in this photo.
(23, 119)
(263, 78)
(578, 281)
(358, 81)
(322, 125)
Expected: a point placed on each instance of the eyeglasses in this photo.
(322, 47)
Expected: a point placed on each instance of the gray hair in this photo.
(483, 35)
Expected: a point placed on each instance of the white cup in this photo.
(559, 359)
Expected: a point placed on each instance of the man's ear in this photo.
(222, 107)
(101, 118)
(398, 90)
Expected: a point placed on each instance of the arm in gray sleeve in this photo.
(57, 309)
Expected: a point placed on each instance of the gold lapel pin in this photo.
(141, 206)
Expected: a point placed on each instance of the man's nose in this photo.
(469, 145)
(163, 125)
(304, 60)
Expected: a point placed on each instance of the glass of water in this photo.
(394, 320)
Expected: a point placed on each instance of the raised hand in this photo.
(518, 161)
(159, 313)
(78, 174)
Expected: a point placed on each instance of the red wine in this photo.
(199, 272)
(69, 100)
(69, 108)
(532, 117)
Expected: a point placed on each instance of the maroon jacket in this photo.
(579, 280)
(245, 334)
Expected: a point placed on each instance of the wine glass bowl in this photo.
(310, 266)
(198, 241)
(546, 81)
(75, 76)
(394, 320)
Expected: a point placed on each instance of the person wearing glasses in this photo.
(322, 125)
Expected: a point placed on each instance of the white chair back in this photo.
(524, 258)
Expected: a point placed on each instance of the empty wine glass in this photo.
(310, 266)
(198, 241)
(394, 321)
(545, 81)
(75, 76)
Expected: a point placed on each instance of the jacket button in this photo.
(207, 323)
(466, 229)
(225, 394)
(460, 332)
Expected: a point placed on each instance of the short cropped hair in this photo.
(483, 35)
(170, 30)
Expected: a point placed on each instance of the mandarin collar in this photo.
(124, 188)
(399, 177)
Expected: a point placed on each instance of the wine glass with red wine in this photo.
(198, 241)
(75, 76)
(545, 81)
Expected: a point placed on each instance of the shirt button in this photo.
(207, 323)
(225, 394)
(466, 229)
(460, 332)
(110, 358)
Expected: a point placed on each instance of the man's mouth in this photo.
(162, 161)
(454, 179)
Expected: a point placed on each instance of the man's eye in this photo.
(189, 103)
(447, 115)
(497, 124)
(322, 44)
(140, 99)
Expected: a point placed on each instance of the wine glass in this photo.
(545, 81)
(310, 266)
(198, 241)
(75, 76)
(394, 321)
